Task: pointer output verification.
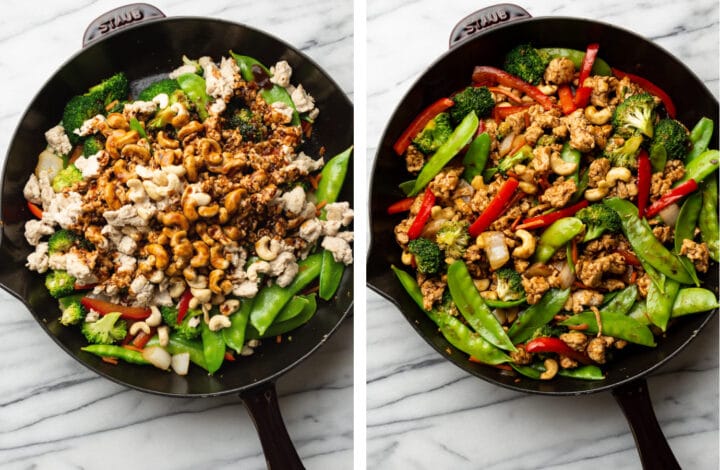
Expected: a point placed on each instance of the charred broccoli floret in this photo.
(435, 133)
(250, 125)
(453, 238)
(78, 110)
(166, 86)
(72, 310)
(61, 241)
(624, 154)
(183, 329)
(478, 99)
(59, 283)
(598, 219)
(92, 145)
(114, 88)
(526, 62)
(107, 330)
(671, 140)
(509, 285)
(66, 178)
(509, 161)
(164, 116)
(427, 255)
(635, 114)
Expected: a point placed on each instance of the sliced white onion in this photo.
(495, 249)
(180, 363)
(565, 276)
(669, 215)
(48, 163)
(157, 356)
(538, 269)
(500, 315)
(506, 144)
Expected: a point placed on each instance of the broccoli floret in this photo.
(546, 140)
(509, 161)
(107, 330)
(78, 110)
(66, 178)
(453, 238)
(427, 255)
(526, 62)
(624, 154)
(478, 99)
(59, 283)
(509, 285)
(164, 116)
(636, 113)
(183, 329)
(114, 88)
(72, 310)
(549, 330)
(435, 133)
(92, 145)
(166, 85)
(670, 141)
(61, 241)
(249, 125)
(598, 219)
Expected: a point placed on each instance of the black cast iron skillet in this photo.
(472, 43)
(148, 47)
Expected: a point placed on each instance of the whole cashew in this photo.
(603, 187)
(267, 250)
(155, 317)
(551, 369)
(560, 166)
(527, 248)
(598, 117)
(218, 322)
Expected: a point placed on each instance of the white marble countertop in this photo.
(56, 414)
(424, 412)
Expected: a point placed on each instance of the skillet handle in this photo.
(262, 404)
(484, 19)
(654, 450)
(119, 18)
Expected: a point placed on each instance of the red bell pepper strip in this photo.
(423, 215)
(35, 210)
(184, 305)
(402, 205)
(502, 112)
(644, 178)
(544, 220)
(567, 104)
(142, 338)
(650, 88)
(78, 286)
(547, 344)
(103, 308)
(508, 93)
(419, 123)
(629, 257)
(486, 75)
(588, 61)
(671, 197)
(582, 96)
(498, 205)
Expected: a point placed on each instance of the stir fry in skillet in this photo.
(185, 223)
(558, 212)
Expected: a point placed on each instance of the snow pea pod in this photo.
(118, 352)
(694, 300)
(193, 86)
(616, 325)
(476, 157)
(290, 322)
(333, 177)
(457, 140)
(407, 186)
(588, 372)
(643, 241)
(533, 371)
(473, 308)
(660, 304)
(639, 312)
(700, 138)
(685, 229)
(234, 335)
(331, 274)
(708, 220)
(705, 164)
(556, 235)
(623, 301)
(538, 315)
(494, 303)
(572, 155)
(292, 309)
(213, 348)
(600, 67)
(270, 301)
(410, 285)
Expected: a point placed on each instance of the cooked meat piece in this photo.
(432, 290)
(414, 159)
(559, 193)
(601, 134)
(582, 298)
(597, 171)
(535, 287)
(401, 231)
(580, 136)
(608, 242)
(613, 284)
(567, 363)
(521, 356)
(624, 190)
(516, 122)
(541, 159)
(624, 88)
(559, 71)
(596, 349)
(697, 252)
(590, 272)
(521, 265)
(663, 233)
(575, 339)
(533, 133)
(445, 183)
(643, 283)
(603, 89)
(663, 182)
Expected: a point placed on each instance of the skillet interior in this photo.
(451, 72)
(142, 52)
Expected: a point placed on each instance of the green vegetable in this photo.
(66, 178)
(333, 177)
(119, 352)
(623, 301)
(178, 345)
(59, 283)
(472, 307)
(331, 274)
(708, 219)
(572, 155)
(435, 133)
(107, 330)
(61, 241)
(164, 116)
(472, 99)
(213, 347)
(182, 329)
(114, 88)
(691, 300)
(476, 157)
(92, 145)
(234, 335)
(494, 303)
(705, 164)
(526, 62)
(556, 235)
(589, 372)
(670, 142)
(659, 304)
(289, 319)
(509, 284)
(635, 114)
(508, 162)
(194, 88)
(616, 325)
(625, 154)
(428, 256)
(453, 238)
(645, 244)
(598, 219)
(137, 127)
(538, 315)
(685, 225)
(700, 138)
(458, 139)
(72, 310)
(166, 86)
(249, 124)
(600, 67)
(78, 110)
